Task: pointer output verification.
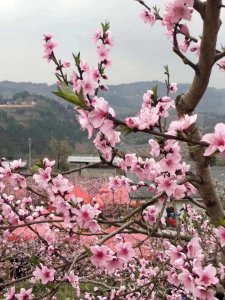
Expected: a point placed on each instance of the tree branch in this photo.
(200, 205)
(176, 50)
(188, 140)
(193, 96)
(185, 60)
(70, 171)
(199, 6)
(144, 4)
(30, 189)
(219, 56)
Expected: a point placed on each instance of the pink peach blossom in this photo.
(25, 294)
(44, 274)
(216, 140)
(207, 276)
(148, 17)
(220, 233)
(101, 254)
(44, 176)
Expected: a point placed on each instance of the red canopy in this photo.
(26, 234)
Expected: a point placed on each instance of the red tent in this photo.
(26, 234)
(78, 192)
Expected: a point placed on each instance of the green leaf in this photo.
(58, 77)
(220, 222)
(101, 68)
(68, 94)
(76, 59)
(194, 148)
(73, 204)
(155, 93)
(34, 260)
(166, 68)
(40, 164)
(88, 251)
(179, 98)
(105, 26)
(159, 139)
(185, 61)
(222, 48)
(34, 169)
(124, 129)
(156, 10)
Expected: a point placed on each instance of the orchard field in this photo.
(62, 239)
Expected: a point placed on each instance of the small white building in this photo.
(77, 160)
(100, 170)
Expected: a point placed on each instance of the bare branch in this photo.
(168, 234)
(120, 229)
(219, 56)
(197, 203)
(178, 229)
(30, 189)
(199, 6)
(99, 283)
(176, 50)
(186, 61)
(155, 228)
(70, 171)
(80, 168)
(190, 100)
(144, 4)
(188, 139)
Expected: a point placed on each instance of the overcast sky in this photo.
(139, 54)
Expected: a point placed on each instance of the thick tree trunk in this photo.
(210, 13)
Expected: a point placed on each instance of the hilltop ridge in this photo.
(52, 117)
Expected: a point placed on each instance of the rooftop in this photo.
(83, 159)
(143, 193)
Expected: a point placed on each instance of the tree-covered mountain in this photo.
(10, 88)
(131, 94)
(50, 117)
(25, 116)
(127, 97)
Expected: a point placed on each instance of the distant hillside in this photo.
(131, 94)
(10, 88)
(40, 121)
(52, 117)
(124, 97)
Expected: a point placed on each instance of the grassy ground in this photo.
(65, 292)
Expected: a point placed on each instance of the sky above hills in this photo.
(139, 54)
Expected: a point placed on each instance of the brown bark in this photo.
(190, 100)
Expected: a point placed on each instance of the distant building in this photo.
(144, 194)
(97, 171)
(81, 160)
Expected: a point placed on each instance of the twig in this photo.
(219, 56)
(98, 283)
(176, 50)
(80, 168)
(199, 6)
(178, 229)
(159, 217)
(70, 171)
(144, 4)
(30, 189)
(196, 202)
(121, 228)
